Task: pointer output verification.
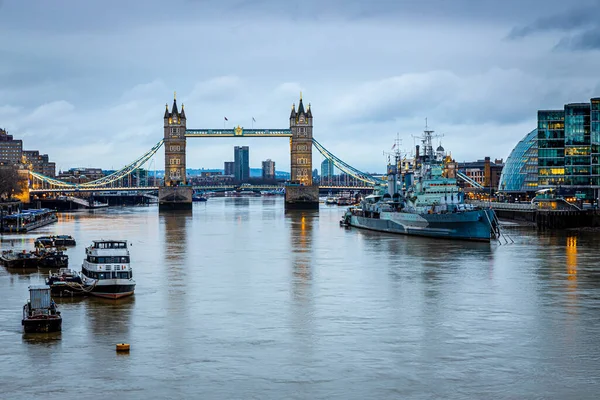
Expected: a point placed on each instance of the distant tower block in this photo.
(300, 193)
(175, 194)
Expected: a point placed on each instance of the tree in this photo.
(9, 181)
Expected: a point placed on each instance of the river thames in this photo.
(240, 300)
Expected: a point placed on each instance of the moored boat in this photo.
(19, 259)
(40, 313)
(67, 283)
(330, 200)
(28, 220)
(52, 258)
(107, 268)
(55, 241)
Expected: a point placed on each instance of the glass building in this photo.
(571, 139)
(326, 171)
(595, 140)
(567, 153)
(551, 148)
(520, 172)
(241, 163)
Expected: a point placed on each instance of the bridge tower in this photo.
(175, 194)
(301, 193)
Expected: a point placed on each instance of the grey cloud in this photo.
(587, 40)
(581, 24)
(499, 96)
(564, 21)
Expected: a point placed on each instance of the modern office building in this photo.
(268, 169)
(569, 149)
(326, 171)
(241, 157)
(11, 150)
(229, 168)
(564, 150)
(39, 163)
(520, 172)
(315, 175)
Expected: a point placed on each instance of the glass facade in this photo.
(577, 145)
(595, 141)
(241, 157)
(564, 150)
(520, 172)
(551, 147)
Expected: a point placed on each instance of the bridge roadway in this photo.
(203, 188)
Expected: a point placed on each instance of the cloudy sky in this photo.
(87, 81)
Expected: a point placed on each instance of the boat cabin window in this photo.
(108, 260)
(110, 245)
(107, 274)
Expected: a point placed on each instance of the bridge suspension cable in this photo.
(123, 172)
(348, 169)
(469, 180)
(106, 180)
(51, 181)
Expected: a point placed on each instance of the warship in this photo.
(426, 202)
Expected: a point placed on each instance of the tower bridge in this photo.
(175, 193)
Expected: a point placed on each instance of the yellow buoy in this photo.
(123, 347)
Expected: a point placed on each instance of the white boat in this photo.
(331, 200)
(107, 267)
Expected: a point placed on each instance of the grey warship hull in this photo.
(476, 225)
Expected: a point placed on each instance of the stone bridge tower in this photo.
(301, 193)
(175, 194)
(174, 135)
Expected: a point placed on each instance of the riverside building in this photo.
(566, 148)
(11, 150)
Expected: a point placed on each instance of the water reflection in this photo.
(174, 268)
(301, 234)
(107, 318)
(571, 251)
(571, 267)
(301, 245)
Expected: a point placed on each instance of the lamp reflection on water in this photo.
(571, 252)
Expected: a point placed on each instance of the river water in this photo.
(240, 300)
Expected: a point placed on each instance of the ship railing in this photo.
(505, 206)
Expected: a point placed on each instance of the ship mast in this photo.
(426, 140)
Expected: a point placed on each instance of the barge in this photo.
(40, 314)
(55, 241)
(46, 258)
(28, 220)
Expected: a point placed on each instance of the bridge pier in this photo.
(302, 197)
(175, 198)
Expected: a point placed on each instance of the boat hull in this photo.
(113, 288)
(470, 225)
(42, 325)
(19, 262)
